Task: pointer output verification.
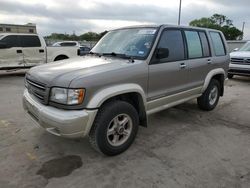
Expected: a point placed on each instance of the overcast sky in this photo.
(79, 16)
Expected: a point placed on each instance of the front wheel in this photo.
(210, 97)
(115, 128)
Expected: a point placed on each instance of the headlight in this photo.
(67, 96)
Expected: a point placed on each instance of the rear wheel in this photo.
(115, 128)
(210, 97)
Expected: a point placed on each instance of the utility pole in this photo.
(179, 18)
(243, 27)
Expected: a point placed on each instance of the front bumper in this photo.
(65, 123)
(237, 69)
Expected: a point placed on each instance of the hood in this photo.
(240, 54)
(61, 73)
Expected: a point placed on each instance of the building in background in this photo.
(12, 28)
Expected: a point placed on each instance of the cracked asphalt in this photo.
(182, 147)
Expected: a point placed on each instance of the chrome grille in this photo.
(36, 89)
(240, 61)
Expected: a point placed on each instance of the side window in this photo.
(30, 41)
(11, 41)
(193, 44)
(205, 45)
(172, 39)
(68, 44)
(218, 44)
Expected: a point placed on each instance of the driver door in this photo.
(168, 76)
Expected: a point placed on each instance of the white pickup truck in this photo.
(26, 50)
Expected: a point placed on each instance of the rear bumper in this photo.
(64, 123)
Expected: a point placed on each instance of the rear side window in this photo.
(68, 44)
(205, 45)
(172, 39)
(218, 44)
(193, 44)
(11, 41)
(30, 41)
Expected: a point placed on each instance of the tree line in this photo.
(219, 22)
(89, 36)
(216, 21)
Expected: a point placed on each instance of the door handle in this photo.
(41, 51)
(209, 61)
(183, 65)
(19, 51)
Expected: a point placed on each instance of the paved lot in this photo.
(183, 147)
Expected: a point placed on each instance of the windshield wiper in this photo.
(125, 56)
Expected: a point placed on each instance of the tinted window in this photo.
(172, 39)
(1, 29)
(194, 44)
(85, 48)
(68, 44)
(8, 29)
(205, 45)
(218, 45)
(30, 41)
(11, 41)
(31, 30)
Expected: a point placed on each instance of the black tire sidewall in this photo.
(110, 111)
(203, 101)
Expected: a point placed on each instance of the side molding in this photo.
(210, 75)
(100, 97)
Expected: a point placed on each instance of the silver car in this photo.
(131, 73)
(240, 61)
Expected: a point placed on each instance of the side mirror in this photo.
(236, 49)
(3, 45)
(162, 53)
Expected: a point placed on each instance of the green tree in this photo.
(219, 22)
(89, 36)
(102, 34)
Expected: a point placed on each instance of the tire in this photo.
(109, 122)
(210, 97)
(230, 76)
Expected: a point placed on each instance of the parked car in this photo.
(27, 50)
(67, 43)
(131, 73)
(84, 50)
(240, 61)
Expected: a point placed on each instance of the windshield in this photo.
(133, 42)
(245, 47)
(1, 36)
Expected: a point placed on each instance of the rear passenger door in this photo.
(199, 60)
(33, 52)
(168, 76)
